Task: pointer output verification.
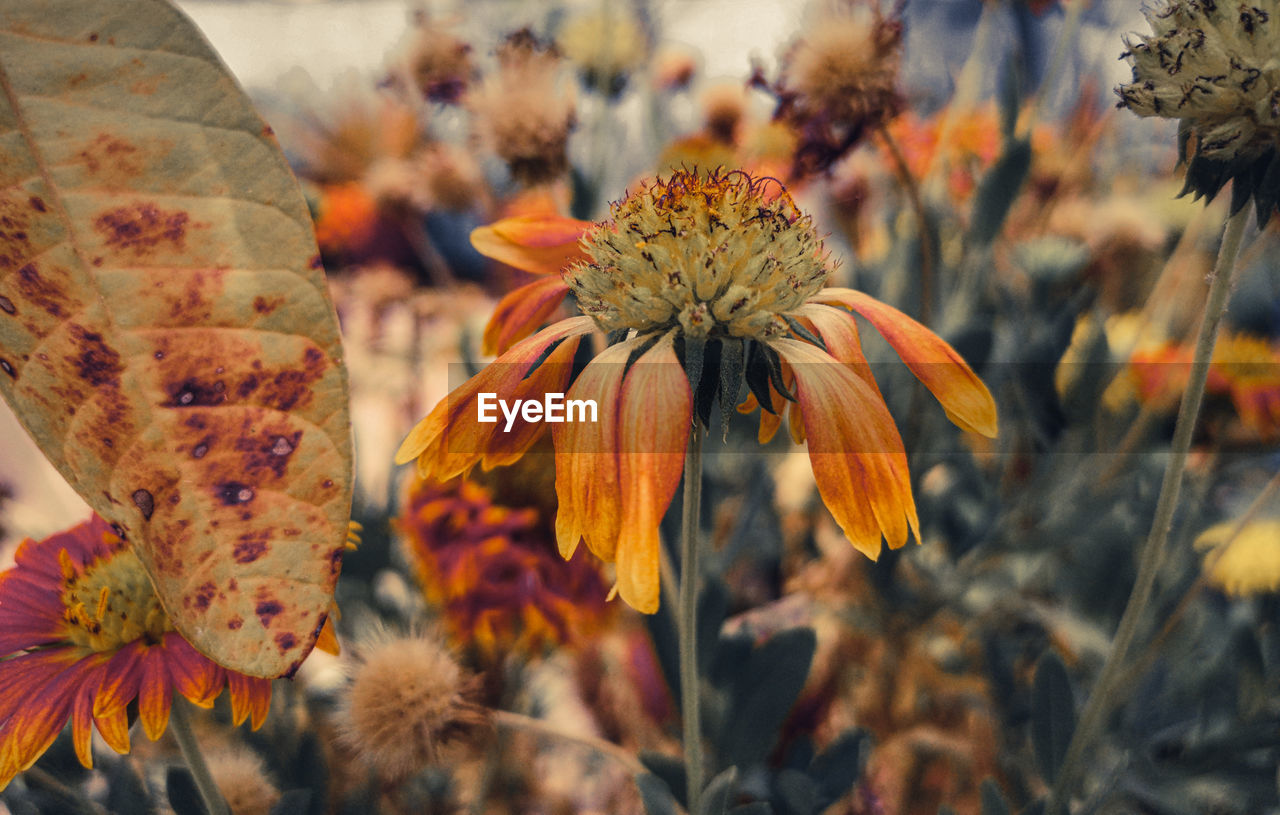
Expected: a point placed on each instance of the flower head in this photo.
(407, 699)
(703, 282)
(1243, 561)
(82, 635)
(436, 62)
(607, 46)
(839, 79)
(494, 572)
(523, 113)
(1212, 66)
(243, 781)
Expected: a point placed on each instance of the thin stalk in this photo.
(1066, 39)
(688, 619)
(518, 721)
(180, 725)
(1108, 690)
(908, 183)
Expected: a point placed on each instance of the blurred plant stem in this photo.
(691, 709)
(180, 724)
(1063, 46)
(968, 85)
(1109, 687)
(518, 721)
(923, 233)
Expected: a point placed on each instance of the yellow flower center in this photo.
(721, 255)
(110, 603)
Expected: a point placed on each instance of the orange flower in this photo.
(494, 572)
(702, 281)
(82, 635)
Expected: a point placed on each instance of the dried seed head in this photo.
(408, 697)
(723, 107)
(243, 782)
(838, 80)
(523, 112)
(721, 255)
(1213, 66)
(437, 63)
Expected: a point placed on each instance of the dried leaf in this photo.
(166, 335)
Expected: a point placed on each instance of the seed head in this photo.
(243, 782)
(1213, 66)
(721, 255)
(408, 697)
(437, 63)
(606, 46)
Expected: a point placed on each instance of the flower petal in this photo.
(654, 420)
(587, 459)
(857, 456)
(541, 244)
(250, 699)
(155, 696)
(944, 372)
(28, 728)
(521, 312)
(191, 673)
(507, 446)
(450, 440)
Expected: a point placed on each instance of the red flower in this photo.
(82, 635)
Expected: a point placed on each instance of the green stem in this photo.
(1108, 690)
(1066, 38)
(518, 721)
(688, 619)
(180, 725)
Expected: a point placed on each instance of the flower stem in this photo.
(180, 724)
(518, 721)
(688, 619)
(1108, 689)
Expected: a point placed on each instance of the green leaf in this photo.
(126, 794)
(998, 190)
(762, 695)
(166, 334)
(732, 365)
(669, 770)
(656, 795)
(839, 767)
(292, 802)
(181, 790)
(993, 802)
(797, 793)
(716, 797)
(1053, 714)
(753, 808)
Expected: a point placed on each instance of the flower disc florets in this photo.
(110, 602)
(1215, 66)
(724, 255)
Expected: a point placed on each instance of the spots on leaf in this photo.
(8, 368)
(250, 546)
(145, 502)
(267, 610)
(285, 641)
(235, 622)
(194, 393)
(96, 363)
(6, 305)
(142, 227)
(232, 493)
(204, 595)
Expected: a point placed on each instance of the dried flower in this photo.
(1211, 65)
(1243, 562)
(839, 79)
(703, 280)
(408, 698)
(436, 62)
(606, 46)
(724, 105)
(494, 570)
(523, 113)
(243, 782)
(82, 636)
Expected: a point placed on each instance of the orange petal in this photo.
(521, 312)
(327, 640)
(654, 420)
(839, 331)
(507, 446)
(944, 372)
(450, 440)
(155, 697)
(587, 460)
(250, 699)
(857, 456)
(191, 673)
(541, 244)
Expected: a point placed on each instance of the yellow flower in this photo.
(703, 281)
(1246, 563)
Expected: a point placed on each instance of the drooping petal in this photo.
(521, 312)
(119, 687)
(944, 372)
(839, 331)
(191, 673)
(155, 695)
(654, 420)
(542, 244)
(587, 459)
(450, 440)
(508, 445)
(28, 728)
(857, 456)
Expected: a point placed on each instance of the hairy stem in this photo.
(688, 619)
(180, 724)
(1108, 691)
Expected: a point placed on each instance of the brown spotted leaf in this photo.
(165, 331)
